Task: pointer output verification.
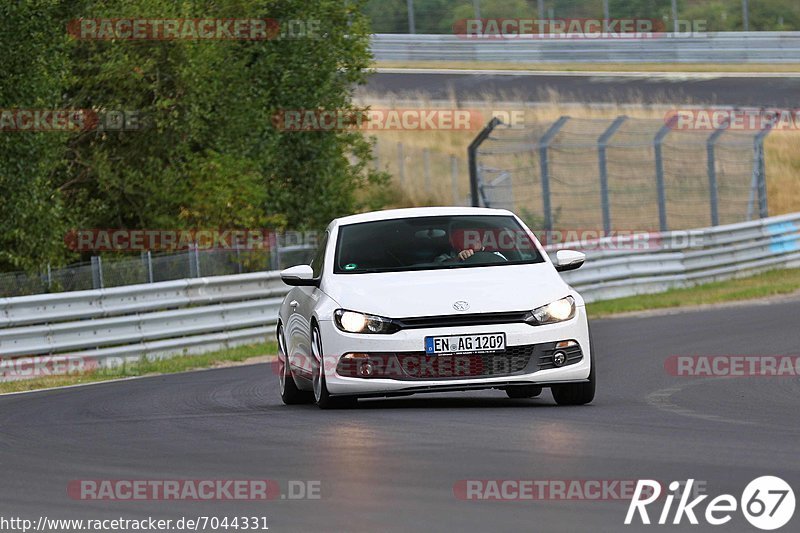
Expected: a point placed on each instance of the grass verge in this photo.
(591, 67)
(144, 367)
(772, 283)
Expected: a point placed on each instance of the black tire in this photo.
(321, 395)
(577, 393)
(290, 394)
(523, 391)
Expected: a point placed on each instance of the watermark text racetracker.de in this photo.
(692, 119)
(733, 366)
(576, 28)
(123, 490)
(68, 120)
(544, 489)
(139, 240)
(386, 119)
(194, 29)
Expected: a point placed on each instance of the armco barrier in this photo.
(686, 258)
(196, 315)
(722, 47)
(154, 320)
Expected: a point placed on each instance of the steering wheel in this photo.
(486, 257)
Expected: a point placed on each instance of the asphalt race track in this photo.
(390, 465)
(685, 89)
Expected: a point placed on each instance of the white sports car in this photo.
(432, 300)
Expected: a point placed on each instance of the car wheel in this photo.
(290, 394)
(524, 391)
(576, 393)
(321, 395)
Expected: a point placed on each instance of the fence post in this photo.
(454, 178)
(238, 257)
(662, 193)
(426, 161)
(761, 168)
(401, 162)
(274, 251)
(544, 168)
(49, 278)
(194, 261)
(147, 259)
(713, 193)
(97, 272)
(472, 157)
(602, 145)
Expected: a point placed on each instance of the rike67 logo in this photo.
(767, 503)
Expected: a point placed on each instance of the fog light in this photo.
(365, 368)
(559, 358)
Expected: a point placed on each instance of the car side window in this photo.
(319, 258)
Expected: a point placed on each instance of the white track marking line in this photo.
(120, 380)
(662, 400)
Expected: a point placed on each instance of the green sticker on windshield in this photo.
(351, 266)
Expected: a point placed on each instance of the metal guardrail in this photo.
(196, 315)
(153, 320)
(722, 47)
(615, 268)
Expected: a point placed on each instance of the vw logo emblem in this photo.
(461, 305)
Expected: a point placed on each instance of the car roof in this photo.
(411, 212)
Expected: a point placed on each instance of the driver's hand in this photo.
(464, 254)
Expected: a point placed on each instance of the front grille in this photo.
(420, 366)
(446, 321)
(415, 366)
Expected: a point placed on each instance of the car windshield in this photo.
(428, 243)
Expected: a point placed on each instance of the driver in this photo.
(461, 249)
(451, 257)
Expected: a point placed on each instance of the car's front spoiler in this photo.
(336, 342)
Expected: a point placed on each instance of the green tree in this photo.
(34, 74)
(209, 154)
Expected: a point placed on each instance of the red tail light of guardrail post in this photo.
(749, 120)
(558, 28)
(732, 366)
(378, 119)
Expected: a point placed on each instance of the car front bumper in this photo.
(337, 343)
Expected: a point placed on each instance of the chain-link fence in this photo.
(422, 176)
(115, 271)
(621, 174)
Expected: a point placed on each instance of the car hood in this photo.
(433, 292)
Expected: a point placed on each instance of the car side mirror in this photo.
(299, 276)
(569, 260)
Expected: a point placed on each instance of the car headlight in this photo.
(557, 311)
(354, 322)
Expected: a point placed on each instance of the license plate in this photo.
(465, 344)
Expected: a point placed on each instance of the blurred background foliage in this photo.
(207, 154)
